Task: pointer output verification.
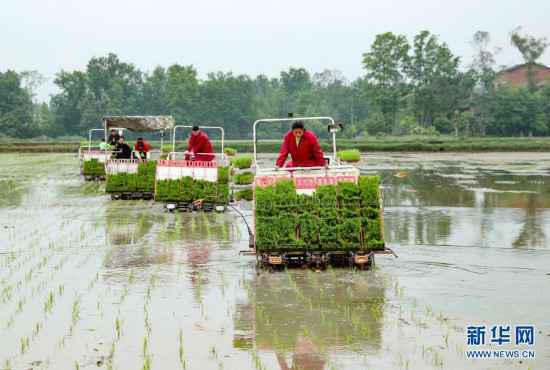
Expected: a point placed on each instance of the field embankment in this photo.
(392, 144)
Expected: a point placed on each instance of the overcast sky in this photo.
(246, 36)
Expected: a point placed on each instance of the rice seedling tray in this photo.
(141, 183)
(93, 169)
(344, 217)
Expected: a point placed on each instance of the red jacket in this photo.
(200, 144)
(307, 154)
(145, 148)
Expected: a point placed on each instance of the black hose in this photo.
(250, 233)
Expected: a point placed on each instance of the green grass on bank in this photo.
(390, 143)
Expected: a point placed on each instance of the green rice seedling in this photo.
(437, 360)
(20, 305)
(111, 355)
(131, 277)
(230, 152)
(349, 155)
(147, 360)
(145, 346)
(213, 352)
(10, 322)
(36, 329)
(242, 161)
(223, 175)
(93, 167)
(24, 344)
(48, 305)
(245, 194)
(118, 329)
(147, 321)
(370, 193)
(180, 348)
(147, 363)
(188, 190)
(75, 315)
(244, 178)
(164, 150)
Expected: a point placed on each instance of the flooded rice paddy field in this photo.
(86, 282)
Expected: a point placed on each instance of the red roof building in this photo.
(518, 75)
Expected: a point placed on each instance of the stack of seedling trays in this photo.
(243, 177)
(188, 194)
(129, 186)
(336, 225)
(93, 169)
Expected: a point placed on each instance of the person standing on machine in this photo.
(200, 146)
(303, 147)
(113, 138)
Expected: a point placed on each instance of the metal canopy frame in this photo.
(293, 119)
(90, 132)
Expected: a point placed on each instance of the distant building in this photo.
(517, 76)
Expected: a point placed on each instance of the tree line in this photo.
(413, 86)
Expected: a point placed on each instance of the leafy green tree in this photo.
(519, 112)
(44, 121)
(154, 92)
(483, 67)
(386, 64)
(182, 93)
(66, 107)
(434, 75)
(228, 100)
(531, 49)
(112, 89)
(295, 80)
(16, 119)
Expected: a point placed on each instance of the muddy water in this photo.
(86, 282)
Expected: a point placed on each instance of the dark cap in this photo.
(195, 128)
(140, 138)
(298, 124)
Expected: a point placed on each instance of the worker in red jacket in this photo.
(303, 147)
(141, 148)
(199, 146)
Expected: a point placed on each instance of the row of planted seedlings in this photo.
(42, 299)
(138, 185)
(342, 217)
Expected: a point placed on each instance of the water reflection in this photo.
(467, 206)
(301, 316)
(532, 229)
(128, 225)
